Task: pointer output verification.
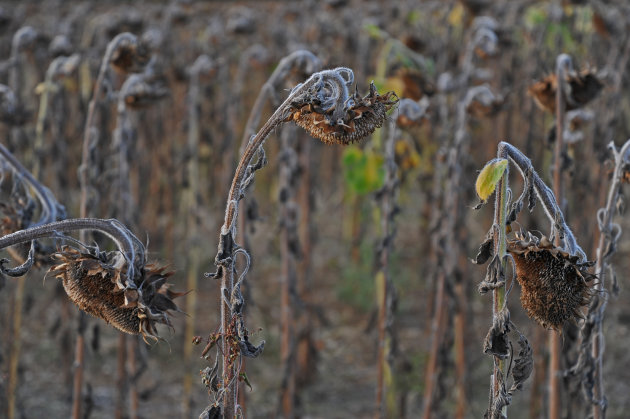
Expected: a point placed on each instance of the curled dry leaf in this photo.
(553, 283)
(357, 119)
(96, 286)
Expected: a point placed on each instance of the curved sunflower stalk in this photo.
(60, 68)
(300, 63)
(50, 209)
(18, 213)
(590, 361)
(553, 278)
(124, 53)
(118, 287)
(324, 106)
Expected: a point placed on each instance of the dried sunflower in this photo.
(554, 284)
(356, 119)
(95, 283)
(583, 87)
(129, 54)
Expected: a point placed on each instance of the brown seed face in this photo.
(95, 287)
(553, 286)
(353, 124)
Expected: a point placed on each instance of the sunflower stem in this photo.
(128, 244)
(607, 240)
(498, 294)
(330, 86)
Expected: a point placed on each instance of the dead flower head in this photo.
(582, 88)
(553, 283)
(350, 118)
(128, 53)
(96, 285)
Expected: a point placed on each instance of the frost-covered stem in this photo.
(545, 197)
(336, 83)
(51, 209)
(89, 121)
(300, 58)
(129, 245)
(330, 77)
(606, 241)
(498, 294)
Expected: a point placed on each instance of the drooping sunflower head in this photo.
(129, 54)
(554, 284)
(583, 87)
(347, 122)
(95, 283)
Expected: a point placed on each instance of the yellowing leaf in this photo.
(395, 84)
(489, 177)
(456, 16)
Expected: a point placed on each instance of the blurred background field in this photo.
(432, 52)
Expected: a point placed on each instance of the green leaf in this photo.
(489, 177)
(373, 31)
(242, 376)
(364, 172)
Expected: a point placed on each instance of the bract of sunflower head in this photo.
(95, 283)
(343, 121)
(554, 284)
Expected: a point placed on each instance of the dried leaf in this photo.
(496, 342)
(524, 364)
(211, 412)
(486, 249)
(249, 350)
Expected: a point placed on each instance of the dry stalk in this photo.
(124, 53)
(22, 41)
(497, 342)
(386, 292)
(20, 217)
(59, 68)
(590, 362)
(564, 67)
(301, 63)
(324, 106)
(138, 91)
